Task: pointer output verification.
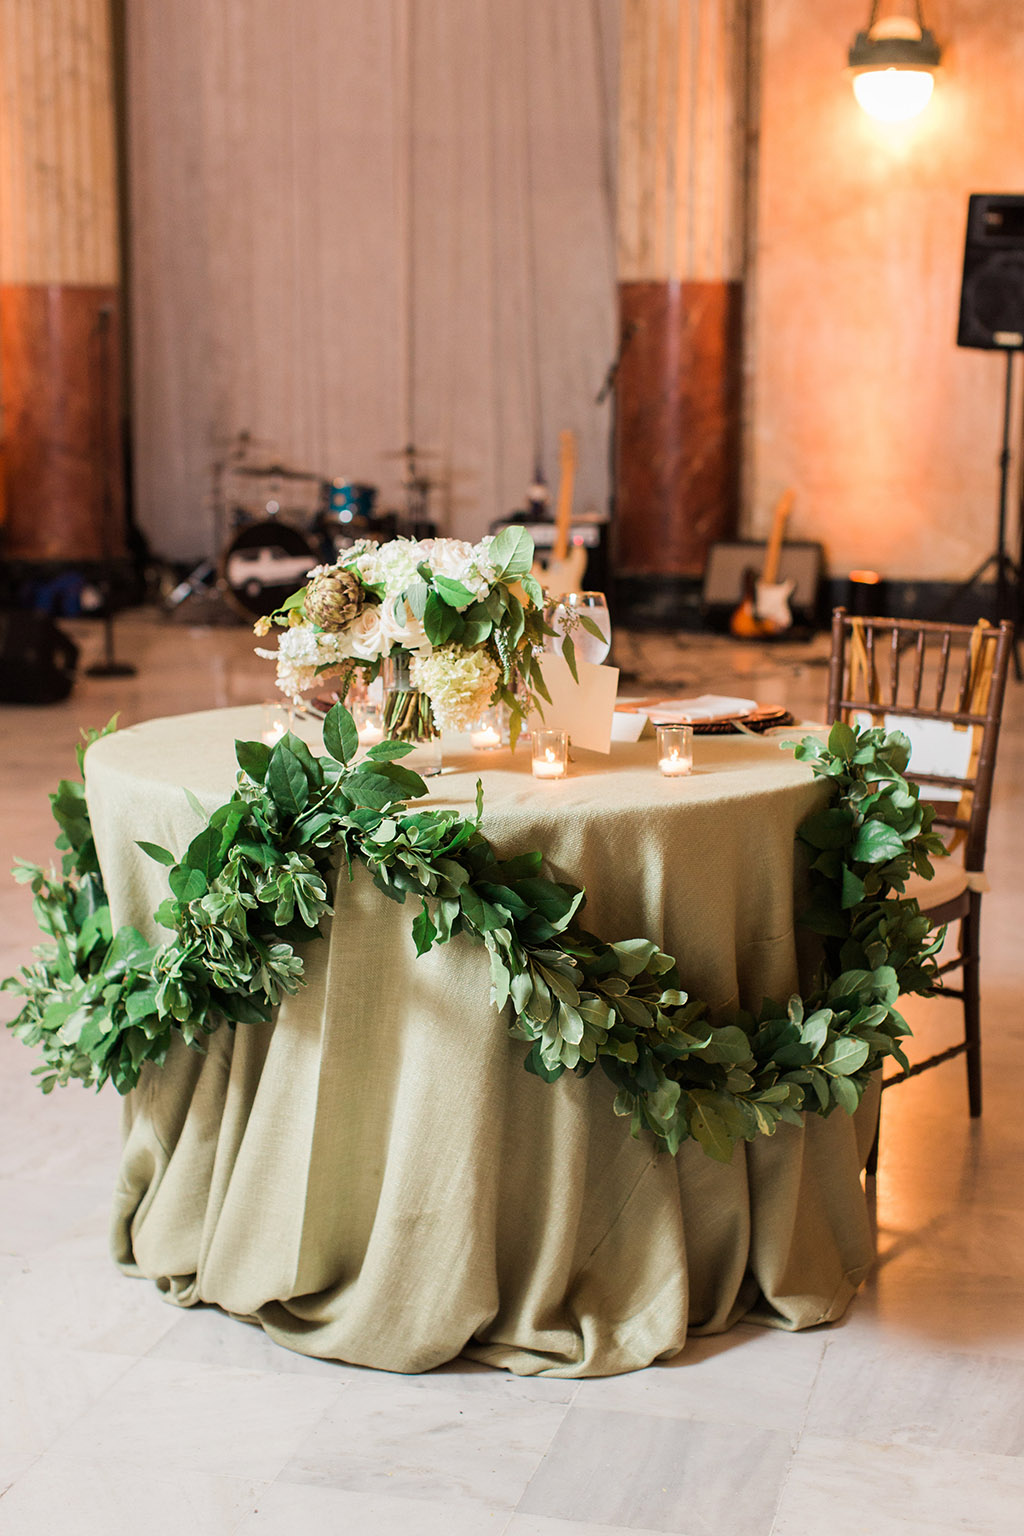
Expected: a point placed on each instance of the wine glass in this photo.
(563, 614)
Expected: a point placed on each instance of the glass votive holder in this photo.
(675, 750)
(550, 754)
(276, 722)
(485, 734)
(369, 721)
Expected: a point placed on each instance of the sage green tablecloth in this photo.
(373, 1177)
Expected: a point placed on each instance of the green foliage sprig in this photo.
(254, 884)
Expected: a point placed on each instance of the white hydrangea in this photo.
(391, 565)
(458, 683)
(482, 559)
(301, 650)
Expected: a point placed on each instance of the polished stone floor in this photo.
(118, 1412)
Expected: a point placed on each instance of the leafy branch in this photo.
(255, 883)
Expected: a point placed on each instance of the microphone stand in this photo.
(108, 667)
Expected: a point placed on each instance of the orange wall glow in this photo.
(859, 397)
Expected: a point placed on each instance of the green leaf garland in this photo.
(255, 883)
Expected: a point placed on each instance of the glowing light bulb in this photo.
(893, 67)
(893, 95)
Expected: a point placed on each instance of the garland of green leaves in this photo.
(254, 884)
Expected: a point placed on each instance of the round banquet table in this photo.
(373, 1177)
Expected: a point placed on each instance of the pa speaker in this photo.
(992, 294)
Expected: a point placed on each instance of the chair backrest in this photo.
(916, 671)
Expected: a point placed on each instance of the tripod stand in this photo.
(1008, 571)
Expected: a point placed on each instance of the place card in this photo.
(584, 710)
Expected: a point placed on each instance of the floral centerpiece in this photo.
(455, 626)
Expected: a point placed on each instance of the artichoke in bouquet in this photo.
(334, 598)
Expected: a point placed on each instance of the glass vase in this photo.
(409, 717)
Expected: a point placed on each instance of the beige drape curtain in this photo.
(356, 221)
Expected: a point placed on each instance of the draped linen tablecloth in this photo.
(373, 1176)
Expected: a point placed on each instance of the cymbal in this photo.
(275, 472)
(411, 453)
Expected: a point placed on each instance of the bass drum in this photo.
(264, 564)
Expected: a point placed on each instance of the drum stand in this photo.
(204, 575)
(197, 580)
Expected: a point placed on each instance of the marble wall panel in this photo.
(678, 424)
(60, 358)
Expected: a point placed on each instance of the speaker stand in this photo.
(1008, 571)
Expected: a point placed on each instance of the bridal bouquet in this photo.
(465, 620)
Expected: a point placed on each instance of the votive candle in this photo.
(369, 726)
(485, 735)
(550, 754)
(277, 722)
(675, 750)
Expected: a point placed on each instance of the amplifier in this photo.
(728, 564)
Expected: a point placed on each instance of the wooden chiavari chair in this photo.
(898, 672)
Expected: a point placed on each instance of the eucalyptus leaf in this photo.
(454, 593)
(161, 855)
(286, 780)
(708, 1128)
(876, 842)
(187, 884)
(511, 552)
(195, 802)
(842, 740)
(423, 931)
(340, 735)
(253, 758)
(439, 620)
(844, 1056)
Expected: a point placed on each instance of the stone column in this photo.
(682, 179)
(60, 302)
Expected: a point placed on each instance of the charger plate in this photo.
(761, 718)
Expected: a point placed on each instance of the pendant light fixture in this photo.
(893, 63)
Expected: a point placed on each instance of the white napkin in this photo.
(628, 725)
(708, 706)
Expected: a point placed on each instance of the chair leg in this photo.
(970, 949)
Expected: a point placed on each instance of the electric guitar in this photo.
(566, 564)
(764, 609)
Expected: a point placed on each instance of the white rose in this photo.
(366, 637)
(400, 627)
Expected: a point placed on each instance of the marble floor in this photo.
(118, 1412)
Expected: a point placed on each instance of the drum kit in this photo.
(270, 546)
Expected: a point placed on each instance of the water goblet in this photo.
(563, 615)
